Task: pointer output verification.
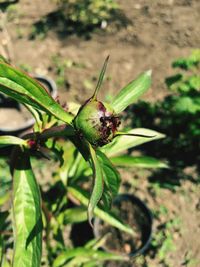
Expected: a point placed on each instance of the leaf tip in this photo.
(107, 58)
(149, 72)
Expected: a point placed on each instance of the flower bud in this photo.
(96, 122)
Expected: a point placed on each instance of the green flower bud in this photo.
(96, 122)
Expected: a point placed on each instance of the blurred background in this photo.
(69, 41)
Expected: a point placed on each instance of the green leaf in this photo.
(98, 183)
(83, 197)
(139, 162)
(37, 116)
(27, 90)
(82, 255)
(6, 140)
(27, 214)
(111, 179)
(80, 169)
(131, 92)
(73, 215)
(121, 143)
(68, 157)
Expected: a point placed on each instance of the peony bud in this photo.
(96, 122)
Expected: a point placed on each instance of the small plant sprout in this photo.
(92, 145)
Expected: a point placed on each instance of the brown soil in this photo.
(157, 33)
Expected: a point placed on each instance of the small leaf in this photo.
(106, 216)
(139, 162)
(98, 183)
(81, 255)
(73, 215)
(26, 214)
(130, 93)
(6, 140)
(122, 143)
(27, 90)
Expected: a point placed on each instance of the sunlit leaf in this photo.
(73, 215)
(27, 217)
(77, 256)
(106, 216)
(121, 143)
(27, 90)
(130, 93)
(6, 140)
(139, 162)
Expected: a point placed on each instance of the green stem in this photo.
(55, 131)
(58, 131)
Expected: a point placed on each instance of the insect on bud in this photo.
(96, 122)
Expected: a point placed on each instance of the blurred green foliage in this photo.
(79, 17)
(186, 86)
(163, 242)
(177, 115)
(88, 12)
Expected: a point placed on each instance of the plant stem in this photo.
(55, 131)
(58, 131)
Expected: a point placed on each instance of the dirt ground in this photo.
(155, 33)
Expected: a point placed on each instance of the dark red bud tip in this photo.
(32, 143)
